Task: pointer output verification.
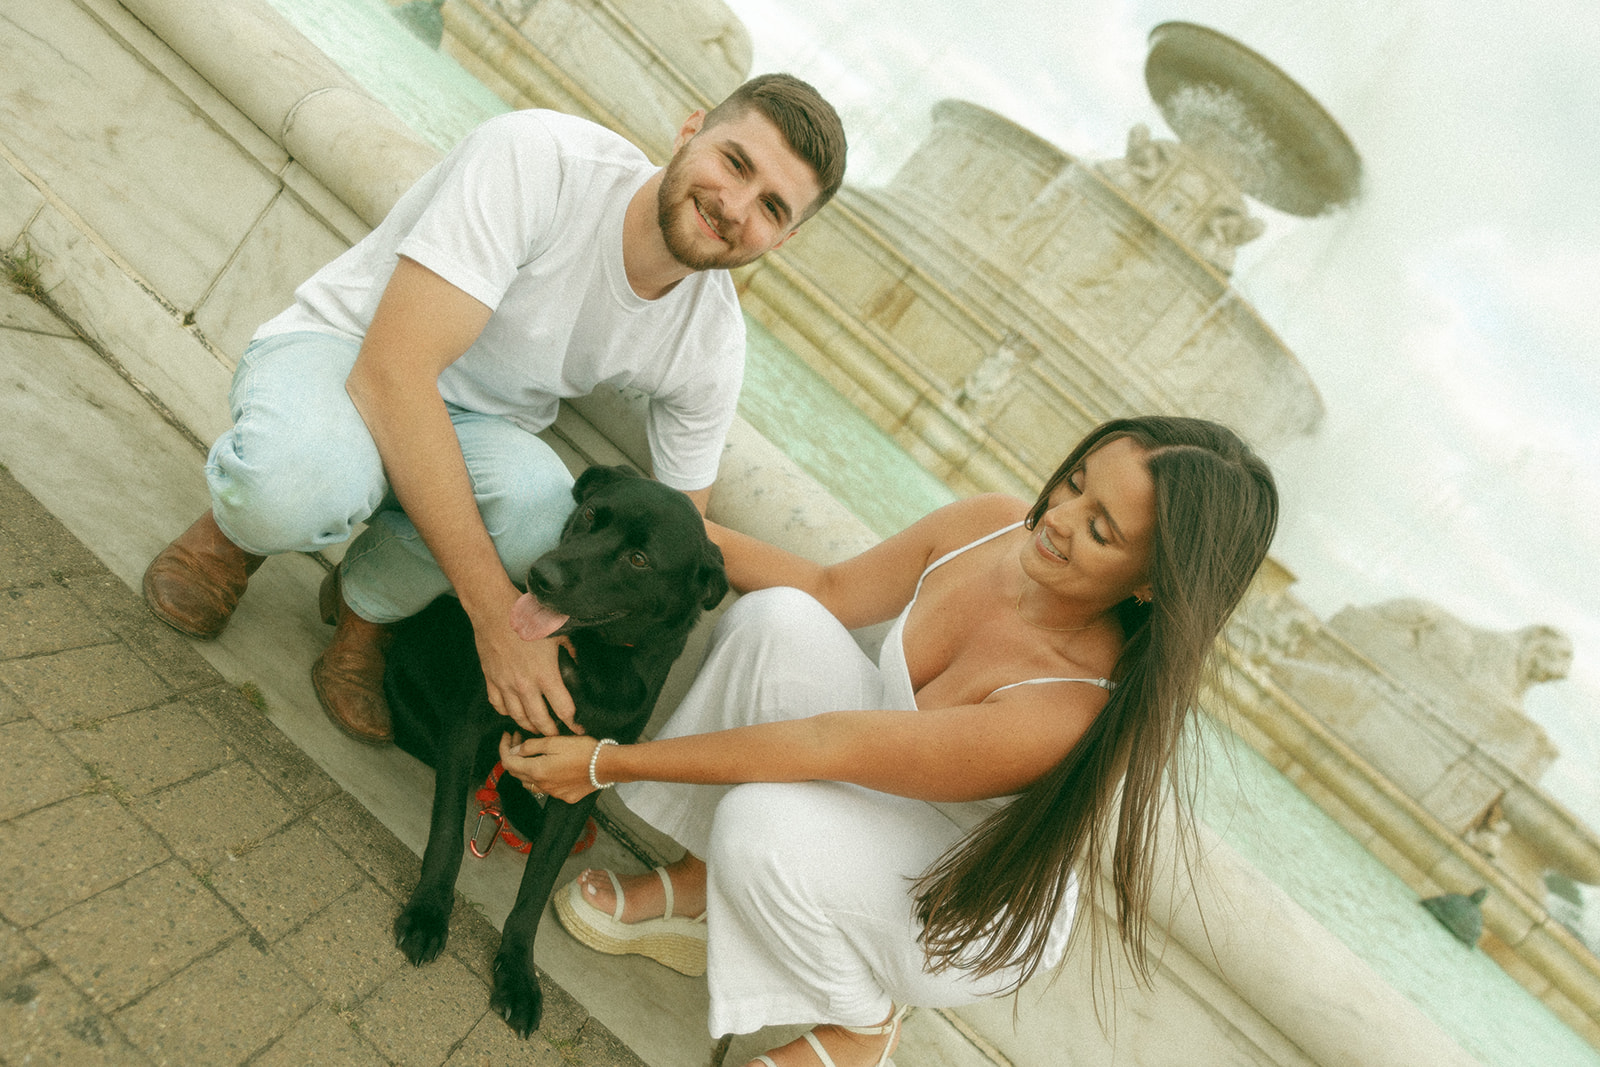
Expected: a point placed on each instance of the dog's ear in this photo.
(713, 577)
(596, 478)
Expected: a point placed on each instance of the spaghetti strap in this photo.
(1103, 683)
(953, 553)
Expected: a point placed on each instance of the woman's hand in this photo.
(555, 766)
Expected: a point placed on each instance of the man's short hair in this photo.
(807, 121)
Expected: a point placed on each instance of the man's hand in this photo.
(523, 677)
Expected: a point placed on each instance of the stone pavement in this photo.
(179, 883)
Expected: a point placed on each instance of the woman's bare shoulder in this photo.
(967, 520)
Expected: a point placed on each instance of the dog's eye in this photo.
(588, 513)
(638, 559)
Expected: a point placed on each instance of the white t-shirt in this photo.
(525, 215)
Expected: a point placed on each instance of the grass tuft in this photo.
(22, 270)
(253, 695)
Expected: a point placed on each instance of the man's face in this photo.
(732, 192)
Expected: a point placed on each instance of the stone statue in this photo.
(982, 388)
(1473, 677)
(1144, 161)
(1421, 642)
(1224, 232)
(1461, 914)
(1489, 835)
(1215, 224)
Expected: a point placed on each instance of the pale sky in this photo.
(1450, 318)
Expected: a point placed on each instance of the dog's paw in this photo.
(516, 997)
(420, 932)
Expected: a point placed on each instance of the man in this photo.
(542, 257)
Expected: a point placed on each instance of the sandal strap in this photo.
(666, 884)
(616, 887)
(666, 881)
(890, 1028)
(816, 1046)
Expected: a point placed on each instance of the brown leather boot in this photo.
(348, 676)
(194, 584)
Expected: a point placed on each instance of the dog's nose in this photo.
(543, 577)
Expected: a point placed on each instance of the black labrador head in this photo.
(634, 559)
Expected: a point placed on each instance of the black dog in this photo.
(633, 571)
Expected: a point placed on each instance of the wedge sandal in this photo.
(892, 1028)
(672, 941)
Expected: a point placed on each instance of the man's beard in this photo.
(679, 231)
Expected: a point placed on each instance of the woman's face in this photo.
(1093, 542)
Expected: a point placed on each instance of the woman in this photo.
(918, 828)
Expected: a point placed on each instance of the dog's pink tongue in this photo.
(532, 620)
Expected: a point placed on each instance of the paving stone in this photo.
(492, 1044)
(563, 1017)
(598, 1046)
(287, 878)
(35, 769)
(147, 750)
(473, 939)
(17, 566)
(325, 1038)
(11, 708)
(195, 1017)
(16, 953)
(420, 1014)
(56, 856)
(39, 534)
(45, 618)
(105, 597)
(348, 950)
(123, 611)
(119, 943)
(263, 745)
(227, 810)
(44, 1020)
(367, 841)
(168, 653)
(83, 684)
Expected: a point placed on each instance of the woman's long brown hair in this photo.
(986, 904)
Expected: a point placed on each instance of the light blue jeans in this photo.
(298, 471)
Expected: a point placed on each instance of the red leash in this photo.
(489, 800)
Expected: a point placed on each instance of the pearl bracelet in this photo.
(594, 760)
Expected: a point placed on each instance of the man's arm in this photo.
(422, 325)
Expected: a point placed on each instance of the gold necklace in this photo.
(1050, 629)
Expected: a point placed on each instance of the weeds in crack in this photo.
(22, 267)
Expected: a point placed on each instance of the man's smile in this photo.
(706, 219)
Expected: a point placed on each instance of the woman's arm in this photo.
(971, 752)
(878, 583)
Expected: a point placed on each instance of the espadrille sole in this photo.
(676, 942)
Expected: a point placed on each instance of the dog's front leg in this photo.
(423, 926)
(517, 998)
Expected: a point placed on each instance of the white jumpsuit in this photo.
(810, 911)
